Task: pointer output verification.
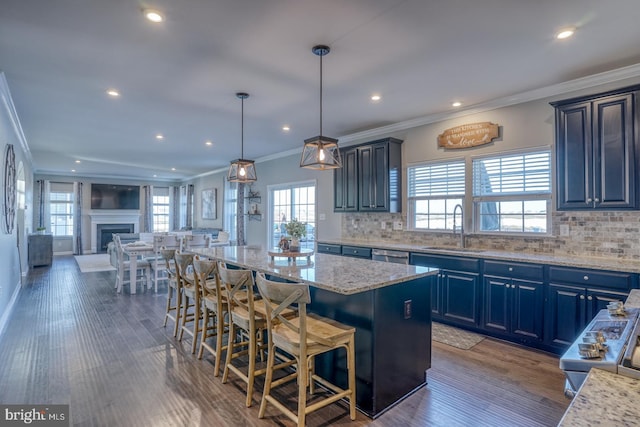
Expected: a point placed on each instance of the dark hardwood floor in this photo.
(73, 340)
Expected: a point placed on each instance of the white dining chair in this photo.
(124, 274)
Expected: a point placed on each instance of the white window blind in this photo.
(514, 174)
(436, 179)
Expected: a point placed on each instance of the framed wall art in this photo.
(209, 203)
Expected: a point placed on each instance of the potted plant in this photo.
(41, 230)
(296, 230)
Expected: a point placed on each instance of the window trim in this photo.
(546, 196)
(411, 222)
(289, 185)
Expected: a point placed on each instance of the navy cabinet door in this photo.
(566, 311)
(373, 187)
(460, 297)
(597, 300)
(496, 304)
(574, 155)
(528, 310)
(436, 298)
(614, 152)
(345, 183)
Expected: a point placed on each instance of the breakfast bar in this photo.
(388, 304)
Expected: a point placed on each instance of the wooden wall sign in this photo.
(470, 135)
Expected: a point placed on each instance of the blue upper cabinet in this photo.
(597, 151)
(370, 179)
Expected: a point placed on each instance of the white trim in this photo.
(7, 102)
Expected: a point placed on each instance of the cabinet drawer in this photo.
(446, 262)
(356, 251)
(591, 278)
(514, 269)
(328, 248)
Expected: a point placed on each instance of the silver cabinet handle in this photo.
(596, 200)
(586, 277)
(590, 298)
(581, 296)
(510, 268)
(589, 200)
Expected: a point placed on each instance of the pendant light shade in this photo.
(242, 170)
(321, 152)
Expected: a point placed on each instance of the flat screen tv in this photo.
(109, 196)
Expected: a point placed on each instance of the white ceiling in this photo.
(179, 78)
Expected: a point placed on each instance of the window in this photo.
(512, 193)
(161, 209)
(61, 208)
(434, 191)
(230, 209)
(293, 201)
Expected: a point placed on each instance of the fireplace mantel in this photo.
(112, 216)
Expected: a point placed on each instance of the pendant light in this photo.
(242, 170)
(320, 152)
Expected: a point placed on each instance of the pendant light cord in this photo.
(321, 94)
(242, 129)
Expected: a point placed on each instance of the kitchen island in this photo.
(388, 304)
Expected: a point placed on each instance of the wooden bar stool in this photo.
(304, 337)
(214, 308)
(172, 287)
(191, 296)
(183, 261)
(247, 322)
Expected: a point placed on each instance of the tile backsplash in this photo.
(589, 233)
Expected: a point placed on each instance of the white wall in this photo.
(13, 259)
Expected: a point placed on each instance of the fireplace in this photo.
(116, 221)
(104, 234)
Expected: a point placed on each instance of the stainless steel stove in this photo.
(616, 330)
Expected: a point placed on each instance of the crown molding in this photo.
(7, 103)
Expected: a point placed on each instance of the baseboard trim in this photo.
(7, 313)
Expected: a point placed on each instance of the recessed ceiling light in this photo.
(456, 104)
(376, 97)
(173, 169)
(73, 170)
(153, 15)
(159, 136)
(286, 128)
(565, 33)
(209, 143)
(155, 176)
(113, 93)
(77, 161)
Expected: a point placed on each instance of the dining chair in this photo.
(157, 261)
(222, 240)
(197, 241)
(303, 337)
(247, 323)
(214, 308)
(124, 274)
(183, 261)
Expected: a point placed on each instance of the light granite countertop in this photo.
(605, 399)
(343, 275)
(598, 263)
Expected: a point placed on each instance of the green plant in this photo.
(296, 229)
(41, 228)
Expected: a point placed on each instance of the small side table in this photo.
(291, 256)
(40, 249)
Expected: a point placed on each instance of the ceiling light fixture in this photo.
(242, 170)
(375, 98)
(456, 104)
(153, 15)
(320, 152)
(77, 161)
(209, 143)
(565, 33)
(286, 128)
(159, 136)
(113, 93)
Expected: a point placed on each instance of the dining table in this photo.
(136, 251)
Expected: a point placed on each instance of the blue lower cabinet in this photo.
(514, 308)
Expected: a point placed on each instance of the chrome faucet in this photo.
(455, 209)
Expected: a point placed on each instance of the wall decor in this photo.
(9, 208)
(469, 135)
(209, 203)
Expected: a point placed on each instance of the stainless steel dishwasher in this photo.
(398, 257)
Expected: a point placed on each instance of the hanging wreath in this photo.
(9, 189)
